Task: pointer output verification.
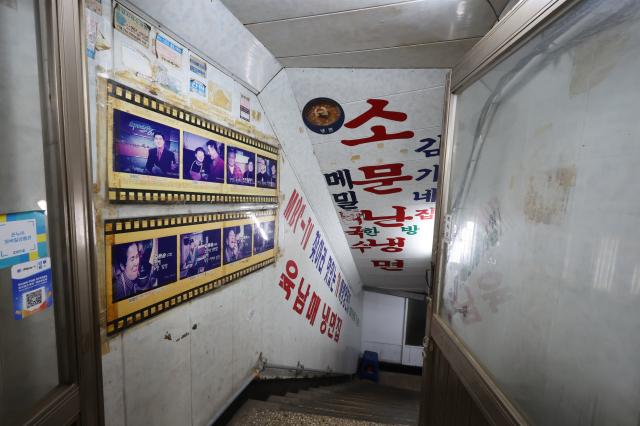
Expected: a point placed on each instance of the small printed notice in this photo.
(197, 66)
(32, 290)
(245, 108)
(131, 25)
(198, 87)
(168, 51)
(22, 237)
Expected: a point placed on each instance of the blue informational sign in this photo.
(32, 290)
(23, 237)
(169, 43)
(198, 87)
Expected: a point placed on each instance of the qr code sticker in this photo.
(33, 299)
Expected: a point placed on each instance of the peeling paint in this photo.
(355, 158)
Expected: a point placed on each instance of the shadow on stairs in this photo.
(355, 403)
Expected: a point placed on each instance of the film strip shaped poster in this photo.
(156, 263)
(160, 153)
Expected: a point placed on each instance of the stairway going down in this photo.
(355, 403)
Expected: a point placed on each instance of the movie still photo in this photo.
(237, 243)
(200, 252)
(267, 172)
(241, 167)
(140, 266)
(144, 147)
(203, 159)
(263, 236)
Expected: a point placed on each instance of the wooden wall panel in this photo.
(448, 401)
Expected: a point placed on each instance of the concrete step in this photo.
(370, 388)
(249, 410)
(376, 418)
(383, 396)
(260, 413)
(356, 401)
(371, 399)
(371, 413)
(348, 405)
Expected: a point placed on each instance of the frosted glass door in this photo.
(542, 275)
(28, 352)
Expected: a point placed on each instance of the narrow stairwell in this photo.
(354, 403)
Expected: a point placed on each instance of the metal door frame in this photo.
(61, 45)
(522, 22)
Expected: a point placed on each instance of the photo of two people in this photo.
(144, 147)
(241, 167)
(267, 173)
(203, 159)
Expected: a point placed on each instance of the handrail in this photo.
(261, 365)
(299, 369)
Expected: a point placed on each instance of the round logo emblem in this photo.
(323, 115)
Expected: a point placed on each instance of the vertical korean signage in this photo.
(306, 293)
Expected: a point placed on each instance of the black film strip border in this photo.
(124, 195)
(117, 325)
(125, 225)
(136, 97)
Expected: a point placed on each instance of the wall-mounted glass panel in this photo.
(28, 342)
(542, 275)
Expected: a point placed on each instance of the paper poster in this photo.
(23, 237)
(131, 25)
(91, 23)
(245, 108)
(197, 66)
(94, 5)
(32, 290)
(197, 87)
(168, 51)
